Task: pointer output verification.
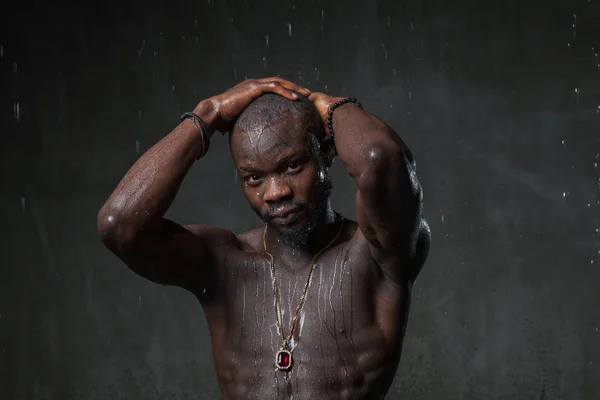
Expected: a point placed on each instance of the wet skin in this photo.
(348, 340)
(349, 336)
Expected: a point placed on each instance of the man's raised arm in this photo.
(389, 196)
(131, 223)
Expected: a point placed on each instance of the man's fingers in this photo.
(277, 87)
(289, 85)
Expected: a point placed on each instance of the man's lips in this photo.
(285, 215)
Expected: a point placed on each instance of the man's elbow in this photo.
(113, 229)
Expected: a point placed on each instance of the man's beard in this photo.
(297, 236)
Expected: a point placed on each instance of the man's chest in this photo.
(339, 310)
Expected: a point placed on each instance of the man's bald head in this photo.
(271, 108)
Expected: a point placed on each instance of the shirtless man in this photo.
(311, 305)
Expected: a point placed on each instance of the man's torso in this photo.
(348, 337)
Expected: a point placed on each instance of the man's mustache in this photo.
(267, 216)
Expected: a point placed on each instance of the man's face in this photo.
(284, 177)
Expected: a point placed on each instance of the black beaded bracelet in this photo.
(200, 125)
(332, 109)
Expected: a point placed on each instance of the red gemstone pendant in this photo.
(283, 360)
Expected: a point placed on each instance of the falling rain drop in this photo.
(264, 62)
(267, 40)
(564, 142)
(142, 48)
(574, 25)
(15, 68)
(389, 21)
(289, 29)
(443, 218)
(173, 89)
(1, 52)
(577, 91)
(235, 74)
(23, 205)
(564, 197)
(137, 146)
(17, 111)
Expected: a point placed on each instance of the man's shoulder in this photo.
(251, 240)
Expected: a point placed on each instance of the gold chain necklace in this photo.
(283, 358)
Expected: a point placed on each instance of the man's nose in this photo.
(277, 190)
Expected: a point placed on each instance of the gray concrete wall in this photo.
(499, 101)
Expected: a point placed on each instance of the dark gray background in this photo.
(499, 100)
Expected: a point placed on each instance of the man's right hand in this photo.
(230, 104)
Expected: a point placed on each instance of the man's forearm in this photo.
(364, 142)
(149, 187)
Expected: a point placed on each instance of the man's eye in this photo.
(252, 178)
(293, 166)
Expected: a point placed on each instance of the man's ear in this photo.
(328, 149)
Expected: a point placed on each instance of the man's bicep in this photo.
(177, 255)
